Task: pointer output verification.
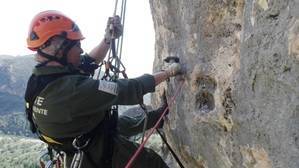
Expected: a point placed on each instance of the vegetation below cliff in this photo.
(19, 151)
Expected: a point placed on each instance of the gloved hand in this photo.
(173, 69)
(114, 29)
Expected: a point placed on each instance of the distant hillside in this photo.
(14, 73)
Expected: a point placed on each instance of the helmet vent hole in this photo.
(43, 19)
(50, 18)
(75, 28)
(33, 36)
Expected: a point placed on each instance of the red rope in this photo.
(129, 164)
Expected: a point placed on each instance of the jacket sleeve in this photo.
(131, 91)
(99, 94)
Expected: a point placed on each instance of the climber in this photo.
(64, 102)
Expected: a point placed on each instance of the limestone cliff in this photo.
(239, 104)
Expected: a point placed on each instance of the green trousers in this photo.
(129, 123)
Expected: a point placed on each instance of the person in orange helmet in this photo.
(51, 28)
(69, 109)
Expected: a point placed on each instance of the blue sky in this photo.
(91, 16)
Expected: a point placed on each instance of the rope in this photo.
(129, 164)
(113, 63)
(170, 149)
(123, 17)
(115, 7)
(143, 106)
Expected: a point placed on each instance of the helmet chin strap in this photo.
(66, 46)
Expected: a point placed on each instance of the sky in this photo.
(91, 16)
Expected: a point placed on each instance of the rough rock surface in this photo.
(239, 104)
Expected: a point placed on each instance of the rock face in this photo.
(239, 102)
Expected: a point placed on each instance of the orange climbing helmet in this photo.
(49, 23)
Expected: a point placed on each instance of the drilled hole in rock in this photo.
(206, 83)
(205, 101)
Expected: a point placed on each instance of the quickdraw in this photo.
(79, 154)
(113, 65)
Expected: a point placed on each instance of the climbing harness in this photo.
(130, 162)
